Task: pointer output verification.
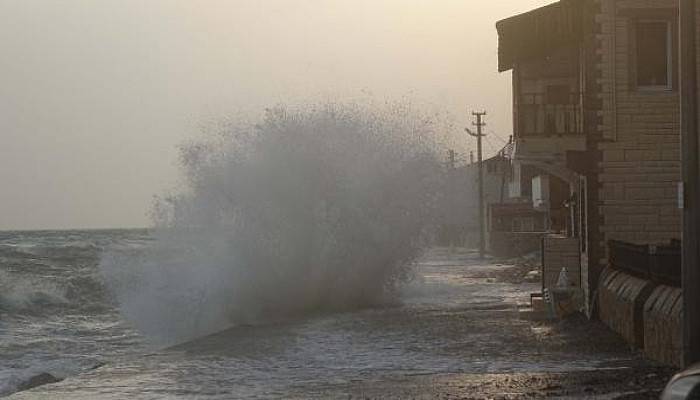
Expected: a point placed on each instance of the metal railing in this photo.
(540, 114)
(658, 263)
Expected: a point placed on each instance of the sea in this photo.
(57, 317)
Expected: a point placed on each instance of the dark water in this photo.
(56, 317)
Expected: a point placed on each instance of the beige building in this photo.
(596, 104)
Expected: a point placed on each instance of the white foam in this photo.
(319, 207)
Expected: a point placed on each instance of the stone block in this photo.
(613, 155)
(621, 304)
(662, 325)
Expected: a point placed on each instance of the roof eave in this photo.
(539, 32)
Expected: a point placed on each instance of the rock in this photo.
(532, 276)
(38, 380)
(97, 366)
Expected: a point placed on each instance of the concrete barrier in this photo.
(621, 301)
(662, 325)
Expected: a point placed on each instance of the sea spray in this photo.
(314, 208)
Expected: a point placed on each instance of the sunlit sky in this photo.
(95, 95)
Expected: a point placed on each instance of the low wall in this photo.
(647, 315)
(561, 252)
(513, 244)
(621, 300)
(662, 325)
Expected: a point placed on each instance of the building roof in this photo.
(539, 32)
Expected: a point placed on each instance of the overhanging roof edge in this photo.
(538, 32)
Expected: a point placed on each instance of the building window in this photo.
(654, 54)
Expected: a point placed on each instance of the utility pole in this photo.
(691, 181)
(479, 155)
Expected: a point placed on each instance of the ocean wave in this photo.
(40, 295)
(29, 296)
(318, 208)
(50, 251)
(69, 245)
(11, 251)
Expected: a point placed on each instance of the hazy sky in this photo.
(95, 95)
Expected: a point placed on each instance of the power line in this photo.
(492, 147)
(497, 136)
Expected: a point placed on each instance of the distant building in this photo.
(538, 204)
(460, 218)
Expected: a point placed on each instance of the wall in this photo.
(513, 244)
(561, 252)
(648, 316)
(662, 325)
(639, 169)
(504, 217)
(621, 300)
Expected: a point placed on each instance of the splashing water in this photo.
(311, 209)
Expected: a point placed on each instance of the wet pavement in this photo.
(457, 334)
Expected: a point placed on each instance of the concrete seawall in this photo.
(621, 300)
(662, 325)
(646, 315)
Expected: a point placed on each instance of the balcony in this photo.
(555, 113)
(549, 125)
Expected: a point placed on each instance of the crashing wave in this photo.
(24, 295)
(315, 208)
